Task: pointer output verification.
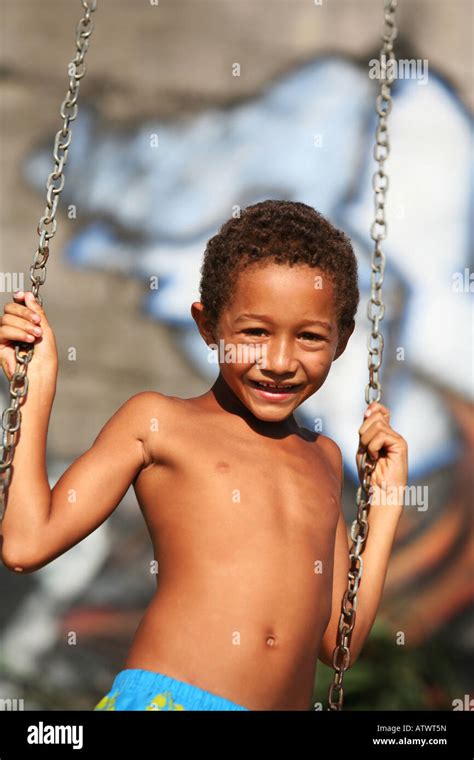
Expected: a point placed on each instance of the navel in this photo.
(270, 641)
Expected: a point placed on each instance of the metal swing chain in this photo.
(375, 311)
(11, 417)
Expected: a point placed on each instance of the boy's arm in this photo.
(40, 524)
(383, 522)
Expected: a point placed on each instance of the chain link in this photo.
(375, 311)
(47, 225)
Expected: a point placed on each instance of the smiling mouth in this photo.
(275, 388)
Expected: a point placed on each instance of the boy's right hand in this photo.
(19, 322)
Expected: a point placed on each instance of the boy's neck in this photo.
(221, 394)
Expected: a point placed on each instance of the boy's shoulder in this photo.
(144, 413)
(150, 401)
(331, 450)
(140, 408)
(150, 397)
(322, 441)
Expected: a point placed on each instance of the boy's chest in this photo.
(276, 467)
(263, 512)
(281, 484)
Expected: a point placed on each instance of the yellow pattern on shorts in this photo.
(164, 701)
(107, 703)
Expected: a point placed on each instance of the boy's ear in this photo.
(343, 340)
(199, 315)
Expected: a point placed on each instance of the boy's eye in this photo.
(253, 330)
(306, 335)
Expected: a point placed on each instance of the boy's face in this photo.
(289, 312)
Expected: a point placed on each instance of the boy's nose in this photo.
(279, 356)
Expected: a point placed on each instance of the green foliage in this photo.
(388, 676)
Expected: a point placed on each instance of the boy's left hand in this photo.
(384, 445)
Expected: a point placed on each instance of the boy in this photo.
(242, 505)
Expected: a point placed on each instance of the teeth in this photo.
(275, 387)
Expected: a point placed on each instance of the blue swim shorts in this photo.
(137, 689)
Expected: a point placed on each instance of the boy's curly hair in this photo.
(285, 232)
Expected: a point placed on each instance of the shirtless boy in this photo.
(243, 506)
